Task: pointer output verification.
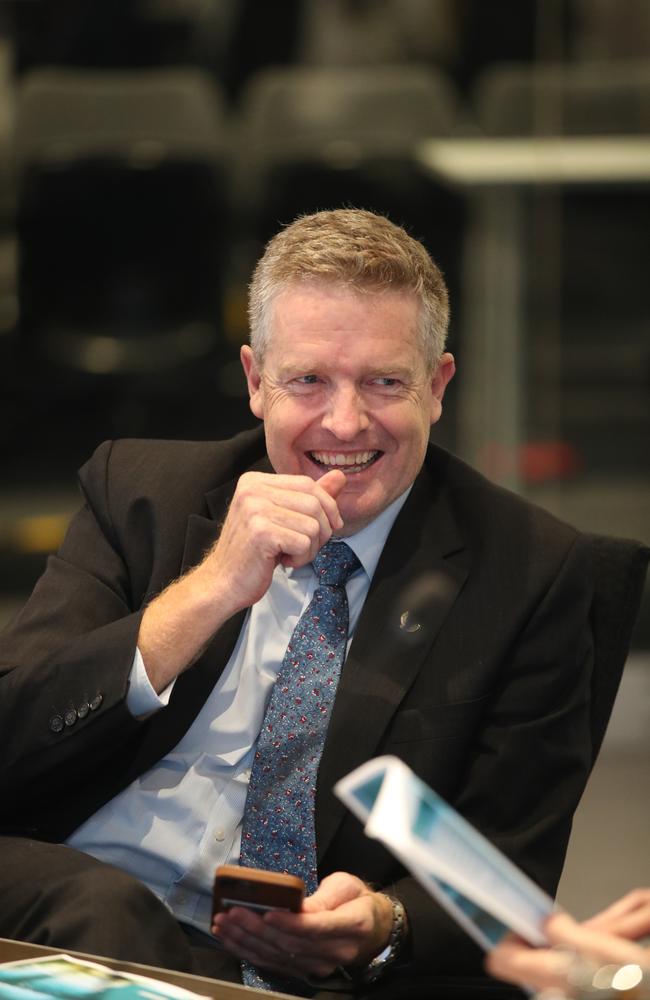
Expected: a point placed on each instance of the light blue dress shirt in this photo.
(175, 823)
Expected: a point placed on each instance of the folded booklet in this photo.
(485, 892)
(62, 977)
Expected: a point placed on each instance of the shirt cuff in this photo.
(141, 699)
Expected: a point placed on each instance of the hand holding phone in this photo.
(256, 889)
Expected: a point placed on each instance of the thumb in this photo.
(333, 891)
(333, 482)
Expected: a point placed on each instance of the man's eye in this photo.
(386, 380)
(307, 379)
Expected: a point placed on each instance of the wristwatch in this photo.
(383, 961)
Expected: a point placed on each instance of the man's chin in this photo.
(356, 514)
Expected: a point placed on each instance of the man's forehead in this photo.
(306, 308)
(372, 296)
(307, 317)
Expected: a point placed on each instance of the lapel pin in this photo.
(406, 625)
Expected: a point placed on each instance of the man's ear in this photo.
(253, 380)
(440, 379)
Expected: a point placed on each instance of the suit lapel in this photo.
(422, 568)
(193, 687)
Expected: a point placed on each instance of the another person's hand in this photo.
(609, 937)
(344, 923)
(628, 917)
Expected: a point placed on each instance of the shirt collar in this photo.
(368, 543)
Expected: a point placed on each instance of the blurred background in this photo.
(149, 148)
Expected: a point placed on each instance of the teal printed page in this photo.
(490, 929)
(481, 888)
(60, 977)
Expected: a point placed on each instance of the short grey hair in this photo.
(359, 249)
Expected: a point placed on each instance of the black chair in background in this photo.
(619, 573)
(121, 232)
(588, 99)
(323, 137)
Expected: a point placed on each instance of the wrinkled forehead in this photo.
(334, 327)
(328, 308)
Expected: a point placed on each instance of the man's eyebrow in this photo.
(306, 367)
(383, 371)
(298, 367)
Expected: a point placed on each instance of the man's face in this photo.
(344, 385)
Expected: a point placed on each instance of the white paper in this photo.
(481, 888)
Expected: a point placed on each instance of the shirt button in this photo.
(219, 834)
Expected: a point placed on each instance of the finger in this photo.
(334, 891)
(631, 925)
(275, 952)
(633, 900)
(333, 482)
(345, 934)
(241, 923)
(325, 490)
(242, 933)
(629, 916)
(294, 932)
(316, 926)
(329, 487)
(516, 962)
(594, 944)
(253, 950)
(281, 536)
(277, 503)
(294, 533)
(322, 937)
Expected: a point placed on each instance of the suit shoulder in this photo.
(147, 466)
(485, 508)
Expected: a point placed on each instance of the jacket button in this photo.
(83, 710)
(96, 701)
(56, 724)
(70, 717)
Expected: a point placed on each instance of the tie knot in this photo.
(335, 563)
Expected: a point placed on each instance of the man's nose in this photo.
(346, 415)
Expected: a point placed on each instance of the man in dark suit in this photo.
(135, 681)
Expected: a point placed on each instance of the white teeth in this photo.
(339, 459)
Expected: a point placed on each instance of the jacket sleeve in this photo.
(66, 658)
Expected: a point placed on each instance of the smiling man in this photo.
(345, 383)
(222, 636)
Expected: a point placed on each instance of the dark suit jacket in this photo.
(482, 687)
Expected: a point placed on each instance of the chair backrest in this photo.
(558, 99)
(121, 180)
(67, 114)
(619, 568)
(321, 137)
(295, 111)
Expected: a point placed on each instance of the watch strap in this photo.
(388, 956)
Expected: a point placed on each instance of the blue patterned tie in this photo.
(278, 826)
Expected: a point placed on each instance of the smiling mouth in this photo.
(349, 462)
